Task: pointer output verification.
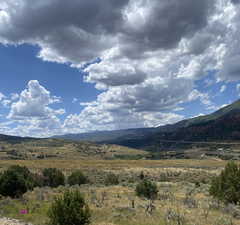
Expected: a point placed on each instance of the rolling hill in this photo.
(108, 136)
(14, 139)
(48, 148)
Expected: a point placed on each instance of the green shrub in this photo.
(69, 209)
(15, 181)
(77, 177)
(53, 177)
(226, 186)
(147, 189)
(141, 176)
(38, 180)
(111, 179)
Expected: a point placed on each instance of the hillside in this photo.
(108, 136)
(226, 127)
(199, 133)
(227, 110)
(27, 148)
(223, 124)
(14, 139)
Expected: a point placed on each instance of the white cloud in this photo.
(93, 118)
(33, 103)
(6, 103)
(151, 54)
(32, 111)
(2, 96)
(223, 88)
(14, 96)
(178, 109)
(74, 100)
(203, 97)
(238, 88)
(132, 106)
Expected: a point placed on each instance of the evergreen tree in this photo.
(226, 186)
(69, 209)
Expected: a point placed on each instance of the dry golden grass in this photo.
(115, 164)
(117, 208)
(62, 149)
(112, 205)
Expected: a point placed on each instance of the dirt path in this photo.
(7, 221)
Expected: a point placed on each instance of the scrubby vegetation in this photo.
(22, 149)
(146, 193)
(112, 179)
(16, 180)
(77, 178)
(226, 186)
(70, 208)
(147, 189)
(53, 177)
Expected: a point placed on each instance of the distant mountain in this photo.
(223, 124)
(14, 139)
(234, 107)
(211, 128)
(108, 136)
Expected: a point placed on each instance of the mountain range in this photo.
(223, 124)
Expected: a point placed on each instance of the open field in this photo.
(59, 149)
(115, 164)
(183, 197)
(177, 204)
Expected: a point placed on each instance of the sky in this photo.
(80, 66)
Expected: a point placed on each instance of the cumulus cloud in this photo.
(4, 101)
(7, 100)
(33, 103)
(86, 24)
(14, 96)
(107, 74)
(151, 25)
(129, 106)
(151, 53)
(95, 27)
(230, 69)
(99, 119)
(32, 111)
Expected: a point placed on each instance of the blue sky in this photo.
(80, 66)
(20, 65)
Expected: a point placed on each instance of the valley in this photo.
(221, 126)
(181, 159)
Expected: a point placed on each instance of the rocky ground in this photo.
(7, 221)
